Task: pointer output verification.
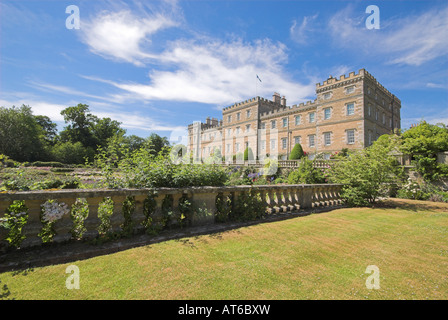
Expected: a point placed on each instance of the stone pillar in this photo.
(92, 221)
(117, 217)
(272, 203)
(205, 200)
(157, 216)
(176, 211)
(139, 217)
(33, 227)
(64, 226)
(264, 199)
(307, 197)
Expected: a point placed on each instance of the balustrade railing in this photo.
(166, 205)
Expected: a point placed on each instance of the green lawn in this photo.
(320, 256)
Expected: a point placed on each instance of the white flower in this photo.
(53, 211)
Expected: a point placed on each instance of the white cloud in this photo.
(122, 35)
(300, 33)
(412, 40)
(200, 69)
(217, 72)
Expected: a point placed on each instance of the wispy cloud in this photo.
(124, 35)
(195, 69)
(412, 40)
(300, 33)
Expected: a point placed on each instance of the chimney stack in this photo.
(276, 98)
(283, 101)
(207, 121)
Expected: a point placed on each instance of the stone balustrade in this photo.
(275, 199)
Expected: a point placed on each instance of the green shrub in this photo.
(53, 164)
(14, 220)
(249, 206)
(367, 173)
(248, 154)
(296, 152)
(306, 173)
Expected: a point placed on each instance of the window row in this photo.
(238, 116)
(349, 111)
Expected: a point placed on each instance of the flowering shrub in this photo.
(412, 190)
(51, 211)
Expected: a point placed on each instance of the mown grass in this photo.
(320, 256)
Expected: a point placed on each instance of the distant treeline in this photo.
(25, 137)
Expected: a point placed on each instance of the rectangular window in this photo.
(350, 89)
(228, 148)
(263, 125)
(247, 127)
(263, 144)
(327, 113)
(229, 132)
(297, 139)
(384, 118)
(369, 110)
(248, 114)
(297, 120)
(327, 96)
(327, 138)
(229, 119)
(237, 146)
(311, 140)
(350, 109)
(312, 116)
(283, 143)
(237, 130)
(273, 144)
(238, 116)
(285, 122)
(273, 124)
(351, 136)
(370, 138)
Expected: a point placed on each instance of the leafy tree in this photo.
(104, 129)
(80, 124)
(157, 143)
(424, 142)
(71, 153)
(20, 134)
(367, 173)
(50, 131)
(297, 152)
(133, 142)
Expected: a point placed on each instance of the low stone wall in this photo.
(276, 198)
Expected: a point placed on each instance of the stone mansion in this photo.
(349, 112)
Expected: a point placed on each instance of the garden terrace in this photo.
(162, 207)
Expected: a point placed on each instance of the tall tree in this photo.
(50, 131)
(104, 129)
(20, 134)
(157, 142)
(80, 123)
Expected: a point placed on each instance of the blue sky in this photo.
(157, 66)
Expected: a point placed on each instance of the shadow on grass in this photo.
(412, 205)
(23, 260)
